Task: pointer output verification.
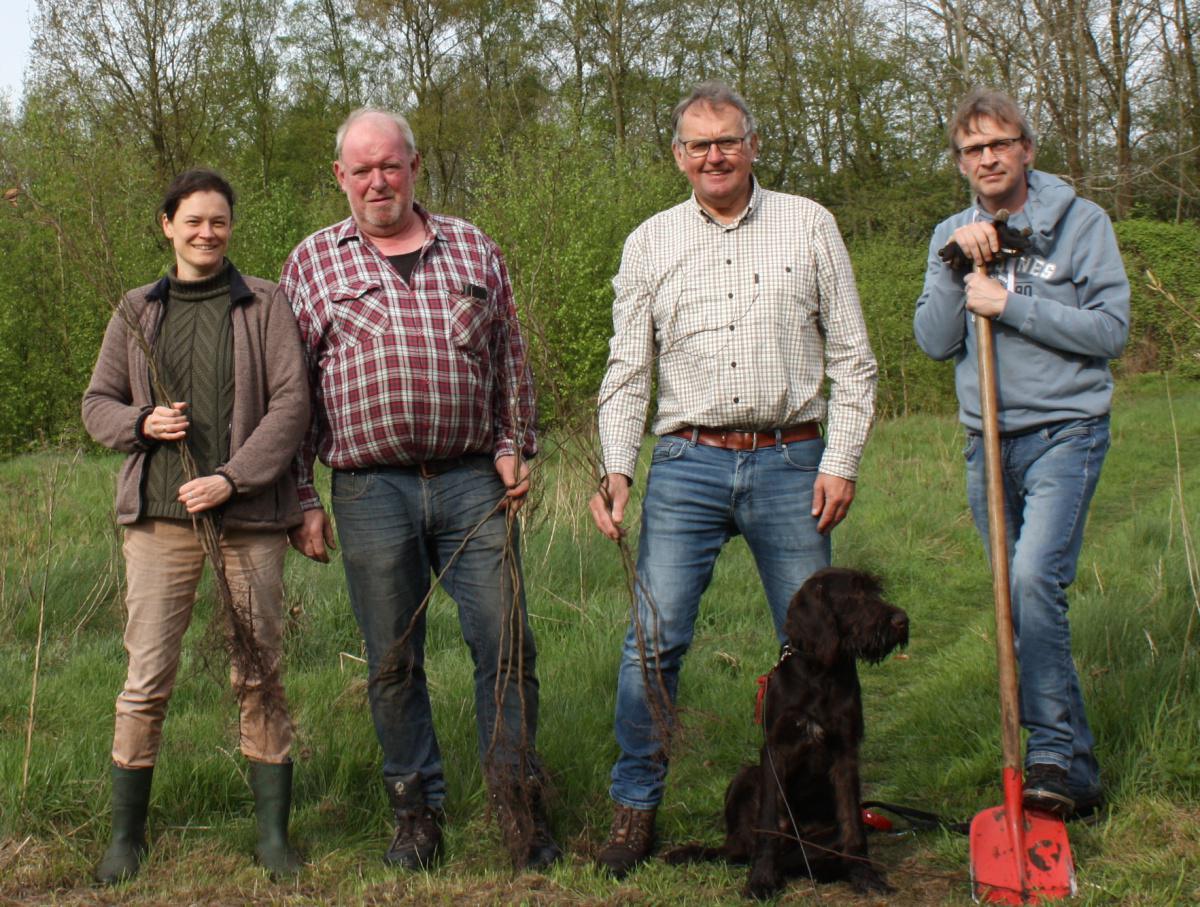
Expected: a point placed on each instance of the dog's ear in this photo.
(811, 625)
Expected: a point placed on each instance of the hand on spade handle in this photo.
(984, 242)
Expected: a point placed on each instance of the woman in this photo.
(226, 350)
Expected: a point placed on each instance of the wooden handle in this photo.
(1006, 656)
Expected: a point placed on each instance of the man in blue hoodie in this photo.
(1060, 312)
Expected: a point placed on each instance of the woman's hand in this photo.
(166, 423)
(205, 493)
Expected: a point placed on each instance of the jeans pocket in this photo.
(971, 445)
(669, 448)
(1074, 428)
(804, 455)
(348, 487)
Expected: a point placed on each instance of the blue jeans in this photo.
(1049, 477)
(696, 499)
(396, 529)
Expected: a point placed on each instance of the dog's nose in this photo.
(900, 621)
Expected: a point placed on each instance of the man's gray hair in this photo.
(714, 93)
(996, 106)
(357, 115)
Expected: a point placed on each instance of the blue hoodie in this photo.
(1068, 316)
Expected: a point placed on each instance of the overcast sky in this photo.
(14, 43)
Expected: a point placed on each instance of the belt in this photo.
(427, 469)
(750, 440)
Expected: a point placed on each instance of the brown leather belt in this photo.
(750, 440)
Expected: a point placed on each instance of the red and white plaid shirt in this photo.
(401, 373)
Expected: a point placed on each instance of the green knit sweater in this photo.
(194, 348)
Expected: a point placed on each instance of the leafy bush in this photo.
(1164, 335)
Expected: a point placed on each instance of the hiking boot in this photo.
(520, 811)
(1089, 807)
(630, 840)
(418, 839)
(544, 851)
(1046, 789)
(272, 786)
(130, 802)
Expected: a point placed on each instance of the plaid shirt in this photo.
(745, 320)
(402, 373)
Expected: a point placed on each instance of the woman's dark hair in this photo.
(190, 181)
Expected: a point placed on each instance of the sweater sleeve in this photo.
(109, 413)
(939, 323)
(271, 446)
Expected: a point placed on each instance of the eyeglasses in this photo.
(727, 144)
(997, 147)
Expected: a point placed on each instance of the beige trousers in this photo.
(163, 563)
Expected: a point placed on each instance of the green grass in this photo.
(933, 737)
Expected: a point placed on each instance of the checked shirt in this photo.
(403, 373)
(744, 321)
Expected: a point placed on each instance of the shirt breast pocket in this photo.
(359, 312)
(789, 292)
(470, 319)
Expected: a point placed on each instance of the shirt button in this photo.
(737, 399)
(731, 296)
(731, 327)
(733, 365)
(728, 261)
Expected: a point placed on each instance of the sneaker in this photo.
(1046, 789)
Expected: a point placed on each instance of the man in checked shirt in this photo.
(745, 300)
(423, 408)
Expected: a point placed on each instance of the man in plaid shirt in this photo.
(423, 408)
(745, 301)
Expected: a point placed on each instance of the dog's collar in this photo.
(786, 652)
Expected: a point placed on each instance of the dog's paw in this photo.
(867, 880)
(763, 885)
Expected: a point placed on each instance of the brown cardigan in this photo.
(270, 403)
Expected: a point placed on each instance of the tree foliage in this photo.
(547, 121)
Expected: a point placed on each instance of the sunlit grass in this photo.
(932, 724)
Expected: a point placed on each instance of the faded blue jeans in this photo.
(397, 530)
(697, 498)
(1049, 477)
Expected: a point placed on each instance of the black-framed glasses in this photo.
(997, 147)
(726, 144)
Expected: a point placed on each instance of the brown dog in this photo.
(797, 811)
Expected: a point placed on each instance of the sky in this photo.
(14, 43)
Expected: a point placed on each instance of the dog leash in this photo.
(918, 819)
(785, 652)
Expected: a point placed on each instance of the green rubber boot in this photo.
(272, 786)
(130, 801)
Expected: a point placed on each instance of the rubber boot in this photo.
(272, 786)
(130, 801)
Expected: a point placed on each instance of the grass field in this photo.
(932, 714)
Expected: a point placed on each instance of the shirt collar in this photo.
(751, 206)
(348, 229)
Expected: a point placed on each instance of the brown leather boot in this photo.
(630, 840)
(418, 840)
